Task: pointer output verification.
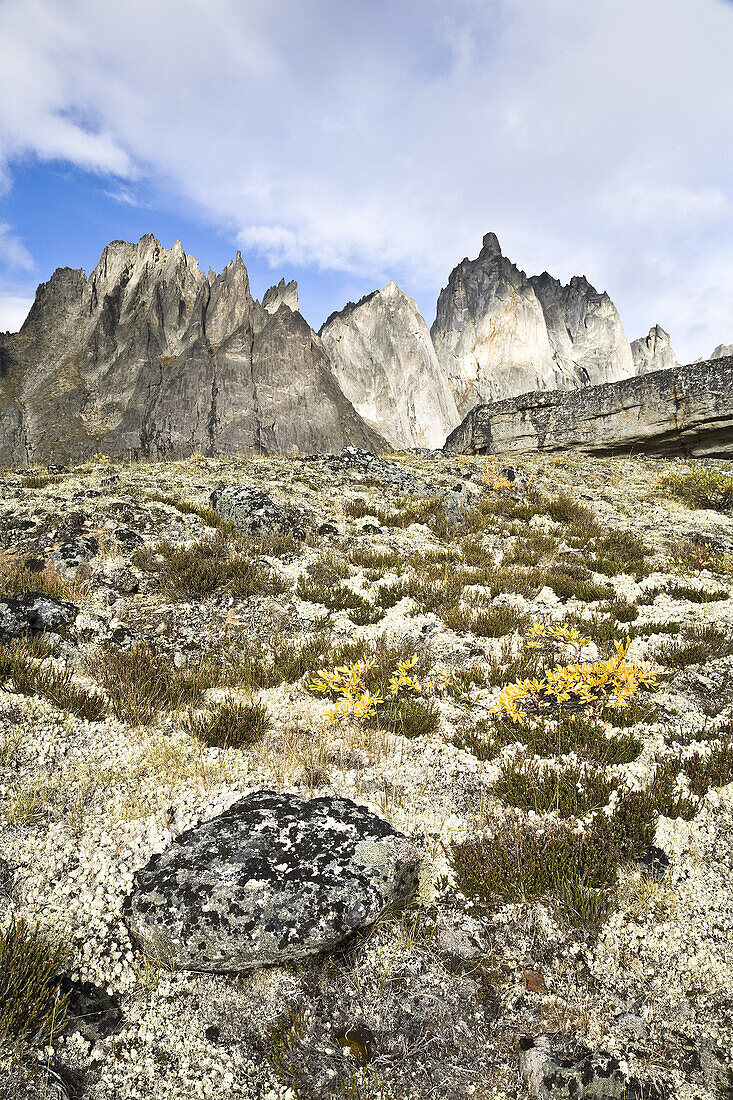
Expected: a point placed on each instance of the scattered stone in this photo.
(127, 537)
(250, 510)
(73, 556)
(274, 878)
(90, 1010)
(327, 529)
(34, 613)
(124, 581)
(654, 863)
(586, 1077)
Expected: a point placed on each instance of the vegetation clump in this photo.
(19, 667)
(140, 682)
(701, 488)
(32, 1007)
(230, 725)
(214, 564)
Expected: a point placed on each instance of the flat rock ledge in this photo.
(274, 878)
(681, 411)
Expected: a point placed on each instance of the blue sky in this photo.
(344, 143)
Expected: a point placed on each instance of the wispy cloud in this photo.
(14, 309)
(386, 138)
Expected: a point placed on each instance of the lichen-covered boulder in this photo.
(274, 878)
(250, 510)
(585, 1077)
(72, 557)
(33, 613)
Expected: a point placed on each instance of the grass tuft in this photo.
(32, 1007)
(232, 725)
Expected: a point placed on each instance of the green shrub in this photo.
(30, 678)
(703, 487)
(408, 717)
(32, 1008)
(140, 682)
(569, 792)
(696, 645)
(231, 725)
(206, 567)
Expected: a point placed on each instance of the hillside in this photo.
(570, 928)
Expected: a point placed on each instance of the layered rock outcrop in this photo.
(498, 333)
(149, 357)
(654, 352)
(383, 358)
(684, 411)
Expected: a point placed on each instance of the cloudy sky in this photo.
(344, 143)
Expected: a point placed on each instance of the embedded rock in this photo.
(249, 510)
(588, 1077)
(384, 361)
(284, 294)
(272, 879)
(686, 411)
(654, 352)
(148, 357)
(72, 557)
(34, 613)
(498, 334)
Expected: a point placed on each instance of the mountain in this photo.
(149, 357)
(653, 352)
(383, 358)
(722, 351)
(498, 333)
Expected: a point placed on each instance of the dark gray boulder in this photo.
(249, 510)
(274, 878)
(34, 613)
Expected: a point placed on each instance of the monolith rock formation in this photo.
(680, 411)
(148, 357)
(654, 352)
(498, 333)
(383, 358)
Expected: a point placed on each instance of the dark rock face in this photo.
(148, 357)
(273, 878)
(249, 510)
(33, 613)
(687, 411)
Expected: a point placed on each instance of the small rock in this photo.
(327, 529)
(588, 1077)
(654, 863)
(272, 879)
(127, 537)
(34, 613)
(125, 581)
(73, 556)
(370, 529)
(360, 1041)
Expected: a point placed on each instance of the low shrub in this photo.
(696, 645)
(205, 567)
(568, 792)
(57, 686)
(140, 683)
(231, 725)
(703, 487)
(32, 1008)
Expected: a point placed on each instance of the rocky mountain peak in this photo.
(383, 359)
(284, 294)
(498, 334)
(653, 352)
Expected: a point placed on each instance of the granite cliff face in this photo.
(149, 357)
(498, 333)
(654, 352)
(382, 357)
(722, 351)
(680, 411)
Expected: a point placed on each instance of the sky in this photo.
(345, 143)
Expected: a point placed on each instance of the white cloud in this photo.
(386, 138)
(14, 309)
(13, 253)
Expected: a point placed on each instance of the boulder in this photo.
(34, 613)
(274, 878)
(249, 510)
(73, 556)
